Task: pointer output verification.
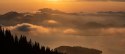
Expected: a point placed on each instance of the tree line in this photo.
(10, 44)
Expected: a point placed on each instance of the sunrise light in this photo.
(53, 0)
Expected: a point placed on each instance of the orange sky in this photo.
(68, 6)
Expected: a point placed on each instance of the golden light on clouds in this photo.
(52, 22)
(43, 30)
(70, 31)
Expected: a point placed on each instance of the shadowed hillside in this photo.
(10, 44)
(77, 50)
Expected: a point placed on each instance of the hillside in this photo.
(10, 44)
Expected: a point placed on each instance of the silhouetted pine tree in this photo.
(10, 44)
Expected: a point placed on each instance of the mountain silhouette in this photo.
(10, 44)
(77, 50)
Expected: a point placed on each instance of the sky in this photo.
(57, 23)
(64, 5)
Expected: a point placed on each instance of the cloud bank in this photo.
(112, 44)
(102, 30)
(55, 21)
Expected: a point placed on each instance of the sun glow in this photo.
(53, 0)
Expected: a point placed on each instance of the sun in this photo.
(53, 0)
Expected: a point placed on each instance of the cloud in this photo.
(103, 32)
(112, 41)
(26, 27)
(70, 31)
(23, 28)
(98, 24)
(37, 29)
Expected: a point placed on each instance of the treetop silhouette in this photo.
(10, 44)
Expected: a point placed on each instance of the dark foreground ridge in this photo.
(77, 50)
(10, 44)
